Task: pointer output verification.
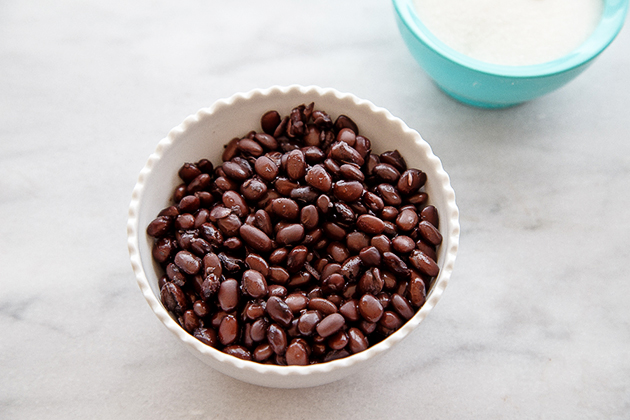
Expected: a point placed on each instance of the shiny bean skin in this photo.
(187, 262)
(277, 338)
(228, 295)
(308, 321)
(402, 306)
(277, 290)
(423, 263)
(430, 233)
(266, 168)
(296, 354)
(356, 241)
(309, 217)
(173, 298)
(296, 301)
(348, 191)
(262, 352)
(407, 220)
(416, 291)
(250, 147)
(255, 238)
(290, 234)
(296, 165)
(254, 284)
(270, 121)
(370, 256)
(258, 263)
(297, 258)
(395, 264)
(253, 189)
(338, 340)
(279, 311)
(430, 214)
(410, 181)
(395, 159)
(370, 308)
(330, 324)
(389, 195)
(351, 172)
(369, 224)
(344, 153)
(403, 244)
(356, 340)
(390, 320)
(238, 351)
(350, 310)
(319, 178)
(278, 275)
(386, 173)
(285, 208)
(207, 336)
(258, 331)
(322, 305)
(228, 330)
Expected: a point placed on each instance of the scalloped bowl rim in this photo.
(436, 292)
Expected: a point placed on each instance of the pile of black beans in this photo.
(302, 247)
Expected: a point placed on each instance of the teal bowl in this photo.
(487, 85)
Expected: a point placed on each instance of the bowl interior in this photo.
(203, 136)
(613, 17)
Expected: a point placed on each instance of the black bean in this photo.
(290, 234)
(296, 354)
(228, 295)
(296, 165)
(285, 208)
(279, 311)
(173, 298)
(207, 336)
(319, 178)
(348, 191)
(429, 232)
(255, 238)
(228, 330)
(369, 224)
(160, 226)
(423, 263)
(270, 121)
(370, 308)
(386, 173)
(330, 325)
(411, 181)
(254, 284)
(277, 339)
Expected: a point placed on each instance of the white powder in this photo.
(511, 32)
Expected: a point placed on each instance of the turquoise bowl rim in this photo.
(613, 18)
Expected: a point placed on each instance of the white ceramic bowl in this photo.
(203, 135)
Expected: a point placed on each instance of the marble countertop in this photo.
(535, 323)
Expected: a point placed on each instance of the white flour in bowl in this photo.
(511, 32)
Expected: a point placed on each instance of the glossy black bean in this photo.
(330, 324)
(228, 295)
(319, 178)
(173, 298)
(423, 263)
(279, 311)
(277, 339)
(370, 308)
(290, 234)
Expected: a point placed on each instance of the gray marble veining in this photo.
(534, 325)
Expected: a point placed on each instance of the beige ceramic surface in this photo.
(203, 135)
